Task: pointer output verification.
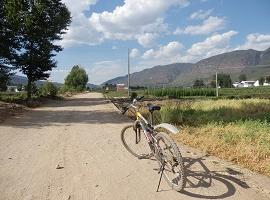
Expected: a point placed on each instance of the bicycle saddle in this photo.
(152, 108)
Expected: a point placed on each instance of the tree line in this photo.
(225, 81)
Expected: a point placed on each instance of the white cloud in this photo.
(134, 53)
(77, 7)
(80, 31)
(147, 39)
(167, 53)
(213, 45)
(59, 75)
(256, 41)
(201, 14)
(134, 19)
(210, 25)
(141, 20)
(105, 70)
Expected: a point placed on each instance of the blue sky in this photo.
(157, 32)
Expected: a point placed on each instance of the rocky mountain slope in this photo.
(251, 62)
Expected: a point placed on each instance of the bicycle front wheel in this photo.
(135, 143)
(170, 157)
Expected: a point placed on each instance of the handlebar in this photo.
(139, 98)
(125, 109)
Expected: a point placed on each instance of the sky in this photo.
(157, 32)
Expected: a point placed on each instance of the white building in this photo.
(12, 88)
(246, 84)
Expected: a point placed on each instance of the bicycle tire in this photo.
(178, 157)
(124, 135)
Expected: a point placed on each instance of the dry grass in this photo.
(235, 130)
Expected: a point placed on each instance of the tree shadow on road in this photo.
(71, 111)
(80, 102)
(42, 118)
(203, 183)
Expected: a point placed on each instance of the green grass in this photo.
(180, 92)
(262, 91)
(13, 97)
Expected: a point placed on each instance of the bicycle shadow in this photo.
(203, 183)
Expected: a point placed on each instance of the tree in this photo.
(77, 79)
(9, 43)
(49, 89)
(242, 77)
(224, 80)
(213, 83)
(267, 79)
(198, 84)
(38, 25)
(4, 77)
(261, 80)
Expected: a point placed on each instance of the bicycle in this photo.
(162, 147)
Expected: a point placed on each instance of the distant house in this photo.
(237, 84)
(120, 87)
(12, 88)
(257, 83)
(246, 84)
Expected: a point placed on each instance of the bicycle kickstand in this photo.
(160, 170)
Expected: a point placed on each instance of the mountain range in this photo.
(254, 64)
(22, 80)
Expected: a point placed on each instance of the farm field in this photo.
(230, 93)
(232, 129)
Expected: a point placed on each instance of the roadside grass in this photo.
(21, 98)
(236, 130)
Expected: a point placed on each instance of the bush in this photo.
(48, 89)
(133, 95)
(171, 115)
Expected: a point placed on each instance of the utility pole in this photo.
(128, 74)
(216, 84)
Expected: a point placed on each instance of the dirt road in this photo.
(72, 150)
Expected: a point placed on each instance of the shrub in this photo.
(49, 89)
(171, 114)
(133, 95)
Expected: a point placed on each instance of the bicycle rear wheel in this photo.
(170, 157)
(135, 143)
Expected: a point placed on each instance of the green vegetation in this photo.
(30, 31)
(76, 80)
(237, 130)
(48, 89)
(242, 77)
(180, 92)
(198, 84)
(12, 97)
(252, 92)
(224, 81)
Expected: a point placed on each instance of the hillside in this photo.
(254, 63)
(22, 80)
(156, 76)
